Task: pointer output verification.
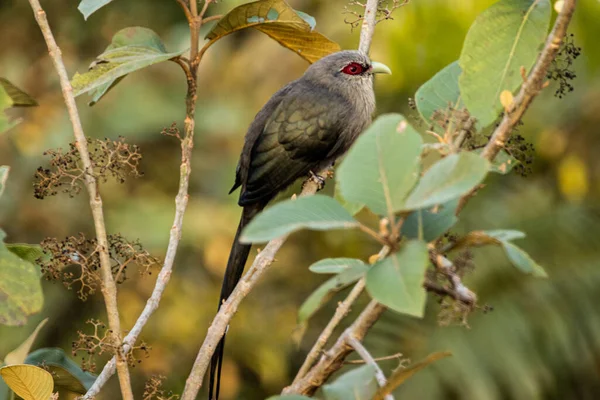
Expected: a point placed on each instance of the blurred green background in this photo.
(542, 339)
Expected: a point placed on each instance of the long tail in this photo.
(235, 267)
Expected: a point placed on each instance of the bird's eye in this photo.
(354, 69)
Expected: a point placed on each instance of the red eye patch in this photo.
(354, 69)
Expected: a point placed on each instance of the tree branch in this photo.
(109, 289)
(365, 355)
(332, 360)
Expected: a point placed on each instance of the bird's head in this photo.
(348, 68)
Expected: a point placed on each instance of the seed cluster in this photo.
(560, 69)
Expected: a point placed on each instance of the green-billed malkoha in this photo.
(303, 128)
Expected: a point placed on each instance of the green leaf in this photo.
(316, 212)
(27, 252)
(505, 37)
(290, 28)
(440, 92)
(448, 179)
(382, 166)
(4, 170)
(18, 98)
(131, 49)
(88, 7)
(335, 265)
(428, 225)
(324, 292)
(28, 382)
(352, 207)
(20, 287)
(503, 163)
(397, 281)
(66, 373)
(18, 355)
(522, 260)
(357, 384)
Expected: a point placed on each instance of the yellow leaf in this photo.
(18, 355)
(28, 381)
(506, 99)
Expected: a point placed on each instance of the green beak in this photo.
(379, 68)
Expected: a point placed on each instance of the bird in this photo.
(303, 128)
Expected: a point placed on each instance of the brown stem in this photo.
(109, 289)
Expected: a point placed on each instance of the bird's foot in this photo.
(319, 180)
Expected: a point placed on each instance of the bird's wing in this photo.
(297, 137)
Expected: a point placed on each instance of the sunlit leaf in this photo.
(440, 92)
(448, 179)
(324, 292)
(67, 374)
(28, 382)
(504, 38)
(88, 7)
(358, 384)
(20, 287)
(397, 280)
(429, 224)
(400, 375)
(131, 49)
(4, 170)
(335, 265)
(316, 212)
(18, 355)
(290, 28)
(17, 97)
(382, 166)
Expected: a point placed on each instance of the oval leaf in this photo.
(316, 212)
(20, 287)
(324, 292)
(397, 281)
(448, 179)
(523, 261)
(131, 49)
(358, 384)
(440, 92)
(290, 28)
(352, 207)
(504, 38)
(27, 381)
(88, 7)
(382, 166)
(67, 374)
(335, 265)
(505, 235)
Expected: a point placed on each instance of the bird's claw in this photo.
(319, 180)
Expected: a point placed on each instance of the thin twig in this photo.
(365, 355)
(368, 26)
(109, 289)
(396, 356)
(211, 18)
(332, 360)
(341, 311)
(531, 87)
(181, 201)
(448, 269)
